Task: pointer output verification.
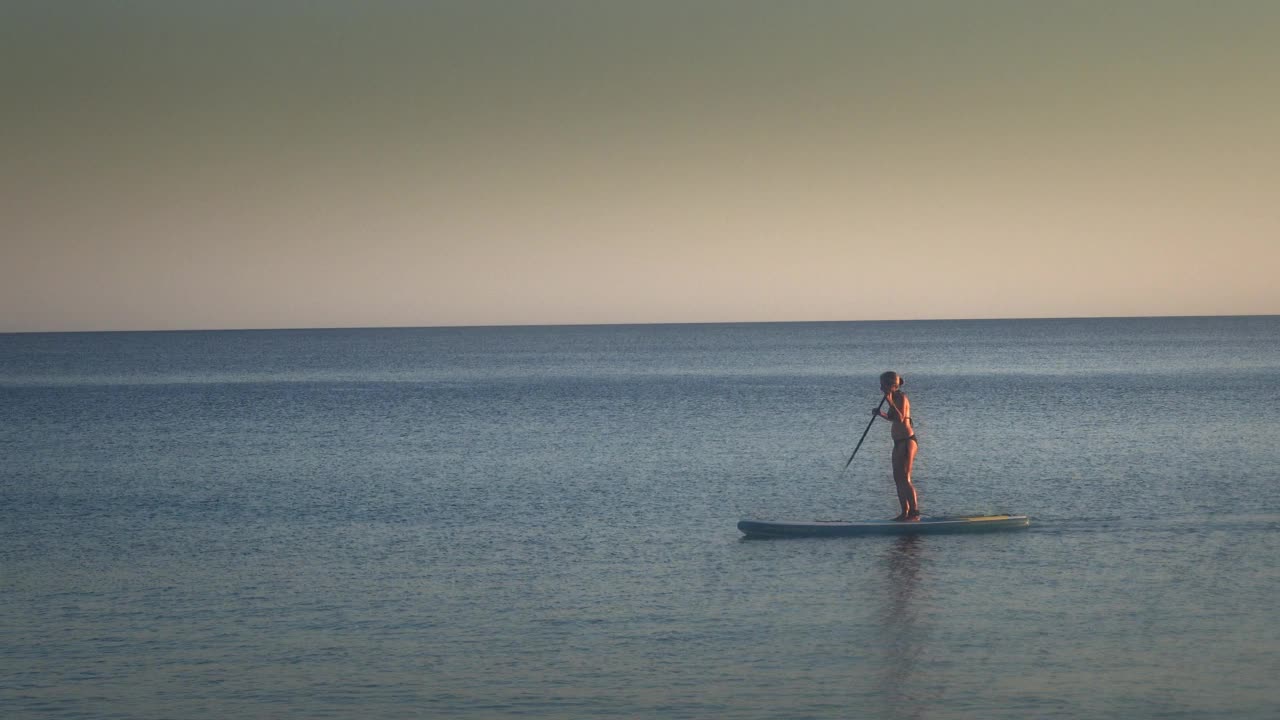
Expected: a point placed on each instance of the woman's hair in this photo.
(892, 378)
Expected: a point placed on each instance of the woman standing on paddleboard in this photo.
(904, 442)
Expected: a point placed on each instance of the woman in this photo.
(904, 442)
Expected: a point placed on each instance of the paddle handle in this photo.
(864, 436)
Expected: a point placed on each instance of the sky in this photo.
(197, 165)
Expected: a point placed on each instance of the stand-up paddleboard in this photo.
(844, 528)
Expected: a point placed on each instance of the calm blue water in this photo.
(540, 522)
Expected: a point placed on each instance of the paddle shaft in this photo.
(864, 436)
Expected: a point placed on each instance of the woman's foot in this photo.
(913, 515)
(900, 518)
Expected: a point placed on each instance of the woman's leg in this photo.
(904, 456)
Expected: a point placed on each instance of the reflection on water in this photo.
(903, 634)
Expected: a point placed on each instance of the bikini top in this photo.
(893, 415)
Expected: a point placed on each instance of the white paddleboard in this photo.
(846, 528)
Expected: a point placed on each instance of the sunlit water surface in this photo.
(475, 523)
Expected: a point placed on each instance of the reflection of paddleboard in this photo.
(842, 528)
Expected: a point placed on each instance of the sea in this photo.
(540, 522)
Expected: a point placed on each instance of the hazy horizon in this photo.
(289, 165)
(637, 324)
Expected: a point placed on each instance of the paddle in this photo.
(864, 437)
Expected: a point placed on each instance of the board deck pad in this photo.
(846, 528)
